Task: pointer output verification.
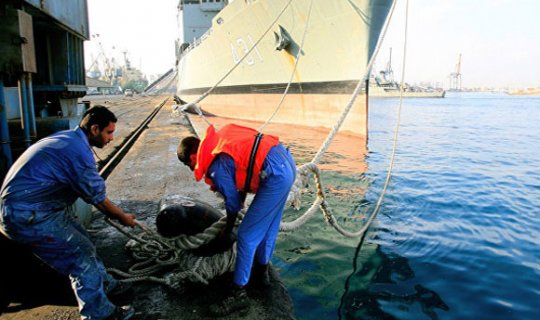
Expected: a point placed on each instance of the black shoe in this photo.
(122, 313)
(237, 301)
(120, 289)
(260, 277)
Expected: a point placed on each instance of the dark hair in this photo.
(187, 147)
(99, 115)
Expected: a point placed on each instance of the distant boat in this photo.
(340, 40)
(379, 89)
(383, 85)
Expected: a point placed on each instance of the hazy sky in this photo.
(499, 39)
(145, 29)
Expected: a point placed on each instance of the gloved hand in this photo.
(227, 239)
(226, 236)
(221, 243)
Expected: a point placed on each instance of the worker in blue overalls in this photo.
(36, 196)
(236, 160)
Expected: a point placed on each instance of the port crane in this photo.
(127, 63)
(110, 69)
(455, 77)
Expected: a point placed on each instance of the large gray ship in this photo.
(334, 41)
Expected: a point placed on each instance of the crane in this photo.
(109, 71)
(126, 61)
(93, 71)
(455, 77)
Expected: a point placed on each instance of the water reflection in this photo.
(376, 289)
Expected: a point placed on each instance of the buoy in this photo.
(188, 217)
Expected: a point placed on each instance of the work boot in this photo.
(237, 301)
(120, 289)
(122, 313)
(260, 277)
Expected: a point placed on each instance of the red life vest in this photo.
(237, 142)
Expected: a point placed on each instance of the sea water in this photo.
(458, 232)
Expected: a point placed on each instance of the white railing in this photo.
(196, 42)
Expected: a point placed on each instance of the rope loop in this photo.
(156, 254)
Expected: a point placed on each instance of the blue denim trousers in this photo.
(60, 241)
(259, 229)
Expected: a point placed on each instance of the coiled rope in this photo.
(157, 254)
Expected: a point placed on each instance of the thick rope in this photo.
(157, 253)
(304, 171)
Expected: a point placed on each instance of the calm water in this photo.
(458, 234)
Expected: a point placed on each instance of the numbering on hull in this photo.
(243, 46)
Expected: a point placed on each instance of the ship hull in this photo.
(313, 110)
(339, 42)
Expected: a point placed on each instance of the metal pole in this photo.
(24, 110)
(4, 129)
(31, 109)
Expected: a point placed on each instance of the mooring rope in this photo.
(156, 253)
(304, 172)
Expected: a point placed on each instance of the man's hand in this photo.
(222, 242)
(127, 219)
(228, 239)
(114, 212)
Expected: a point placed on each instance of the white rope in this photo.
(304, 171)
(156, 254)
(398, 120)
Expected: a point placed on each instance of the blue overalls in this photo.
(258, 231)
(37, 191)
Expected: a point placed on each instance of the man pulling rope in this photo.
(234, 161)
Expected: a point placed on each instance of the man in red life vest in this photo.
(233, 161)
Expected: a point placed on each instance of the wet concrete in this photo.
(149, 175)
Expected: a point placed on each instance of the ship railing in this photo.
(196, 42)
(211, 5)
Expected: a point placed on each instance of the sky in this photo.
(499, 40)
(146, 30)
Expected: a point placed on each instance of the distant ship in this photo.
(336, 40)
(380, 88)
(383, 85)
